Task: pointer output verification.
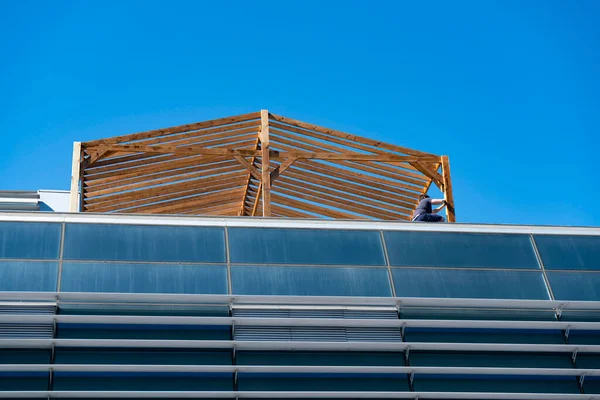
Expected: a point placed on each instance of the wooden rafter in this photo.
(274, 165)
(249, 181)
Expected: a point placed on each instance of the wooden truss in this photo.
(256, 164)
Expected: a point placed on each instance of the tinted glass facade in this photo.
(336, 310)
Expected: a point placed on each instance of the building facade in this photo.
(123, 306)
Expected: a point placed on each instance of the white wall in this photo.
(54, 200)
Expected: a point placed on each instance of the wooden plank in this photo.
(281, 168)
(282, 210)
(349, 137)
(265, 160)
(126, 159)
(361, 191)
(222, 209)
(363, 179)
(448, 195)
(313, 208)
(206, 134)
(74, 199)
(222, 197)
(249, 180)
(155, 162)
(251, 168)
(314, 145)
(162, 181)
(175, 129)
(167, 192)
(378, 169)
(342, 191)
(348, 157)
(183, 150)
(437, 178)
(167, 169)
(341, 200)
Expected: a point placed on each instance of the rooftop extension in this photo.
(256, 164)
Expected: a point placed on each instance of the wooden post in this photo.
(266, 176)
(450, 214)
(75, 178)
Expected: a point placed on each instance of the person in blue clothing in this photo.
(425, 212)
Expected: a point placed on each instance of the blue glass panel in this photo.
(28, 276)
(569, 252)
(500, 384)
(144, 243)
(482, 359)
(421, 282)
(143, 357)
(575, 285)
(305, 246)
(323, 383)
(310, 281)
(592, 385)
(32, 240)
(436, 335)
(24, 381)
(24, 356)
(142, 381)
(144, 278)
(450, 249)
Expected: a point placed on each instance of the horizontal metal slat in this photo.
(300, 369)
(312, 322)
(290, 345)
(293, 395)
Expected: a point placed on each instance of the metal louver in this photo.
(320, 334)
(21, 330)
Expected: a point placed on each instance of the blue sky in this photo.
(510, 90)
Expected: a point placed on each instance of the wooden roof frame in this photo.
(256, 164)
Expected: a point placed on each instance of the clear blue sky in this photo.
(510, 90)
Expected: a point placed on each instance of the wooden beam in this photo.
(397, 172)
(280, 169)
(434, 175)
(265, 161)
(251, 168)
(74, 201)
(448, 196)
(175, 129)
(256, 200)
(301, 139)
(348, 137)
(249, 180)
(276, 155)
(96, 155)
(205, 134)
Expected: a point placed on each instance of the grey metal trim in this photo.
(298, 346)
(299, 369)
(189, 299)
(288, 322)
(295, 395)
(128, 219)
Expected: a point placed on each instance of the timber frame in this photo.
(256, 164)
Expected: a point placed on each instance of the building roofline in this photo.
(253, 222)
